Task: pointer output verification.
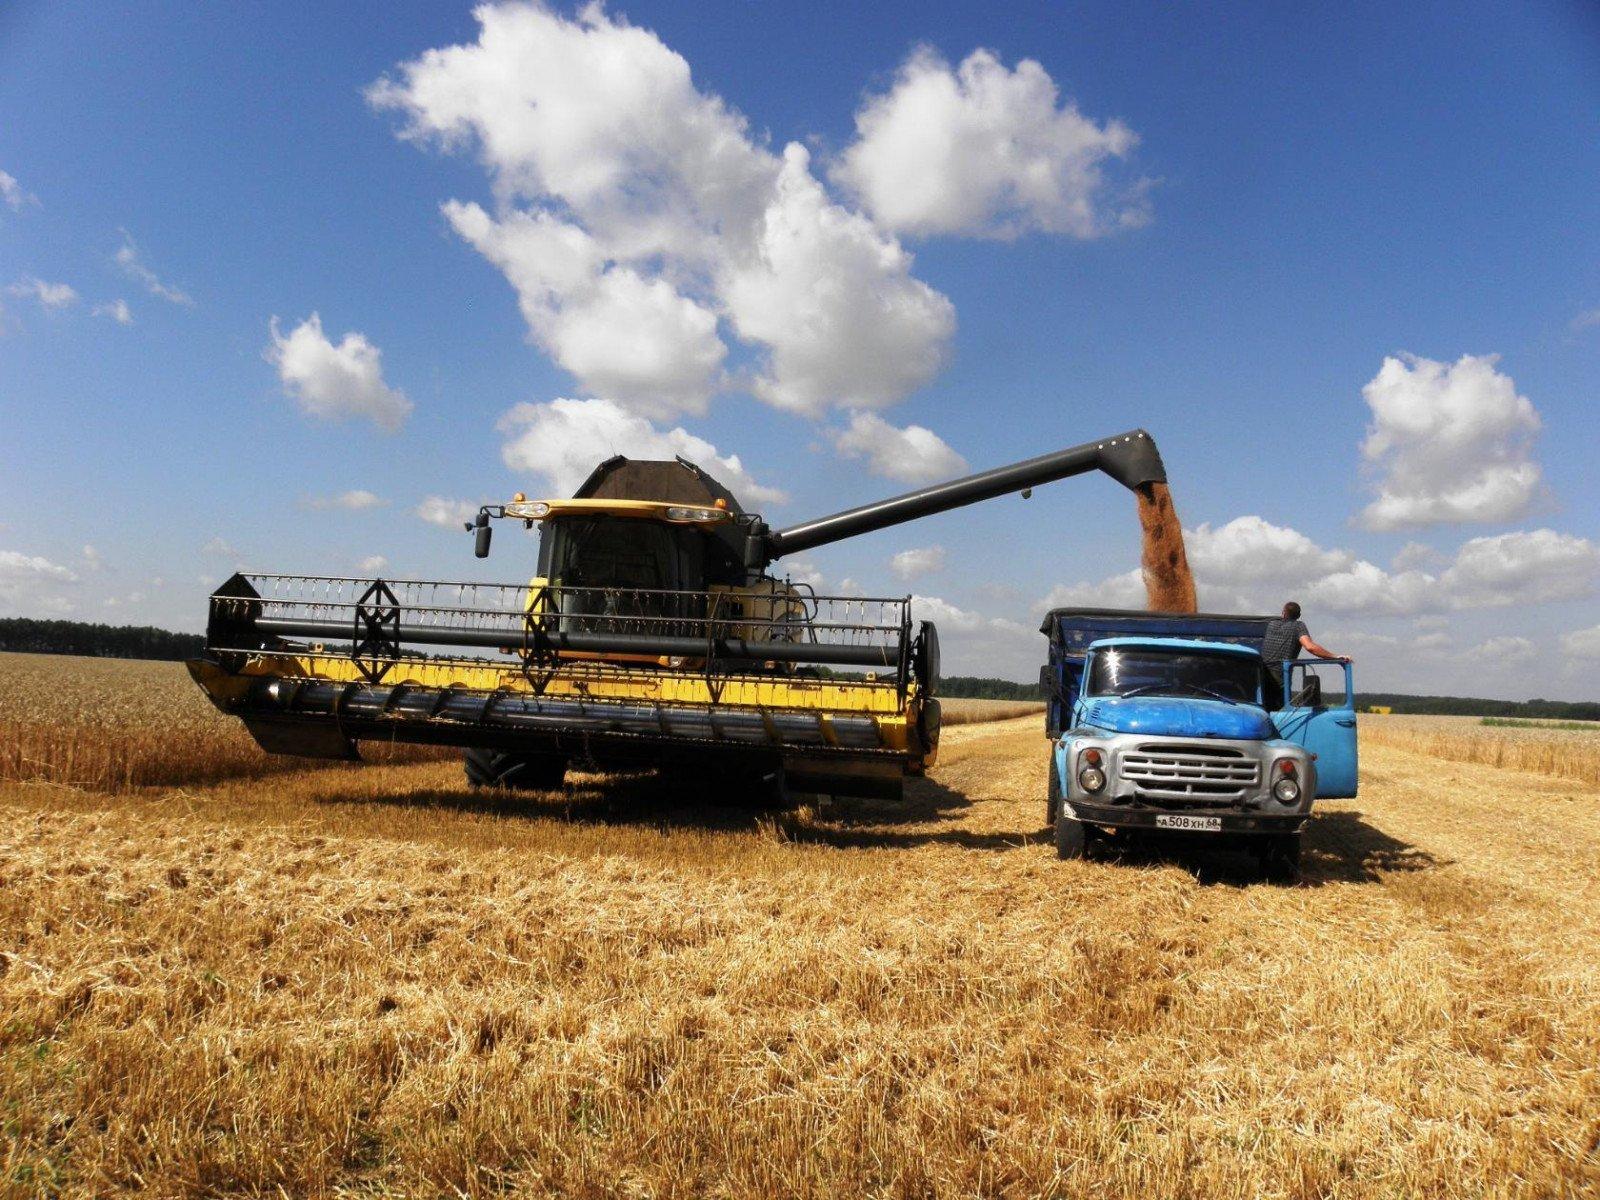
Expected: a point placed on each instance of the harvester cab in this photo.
(652, 633)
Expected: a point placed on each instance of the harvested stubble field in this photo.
(375, 983)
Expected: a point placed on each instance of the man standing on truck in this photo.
(1283, 642)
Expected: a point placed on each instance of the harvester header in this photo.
(651, 633)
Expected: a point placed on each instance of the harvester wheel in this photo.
(1072, 838)
(523, 772)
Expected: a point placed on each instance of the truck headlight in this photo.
(1286, 790)
(1091, 779)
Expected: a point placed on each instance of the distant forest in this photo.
(25, 635)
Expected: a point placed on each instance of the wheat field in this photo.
(1567, 750)
(371, 982)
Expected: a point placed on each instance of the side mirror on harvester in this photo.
(481, 533)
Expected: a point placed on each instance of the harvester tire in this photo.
(1072, 838)
(521, 772)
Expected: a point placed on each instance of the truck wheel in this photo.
(1072, 838)
(1052, 805)
(1281, 858)
(522, 772)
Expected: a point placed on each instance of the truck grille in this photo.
(1204, 775)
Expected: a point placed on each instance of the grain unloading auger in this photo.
(652, 634)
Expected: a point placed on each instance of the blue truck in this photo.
(1171, 722)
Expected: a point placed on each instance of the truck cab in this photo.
(1162, 722)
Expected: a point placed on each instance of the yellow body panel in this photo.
(894, 716)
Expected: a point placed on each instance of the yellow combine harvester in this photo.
(652, 634)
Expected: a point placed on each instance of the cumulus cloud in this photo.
(1588, 319)
(1582, 643)
(218, 546)
(12, 194)
(127, 257)
(117, 310)
(1450, 442)
(445, 512)
(974, 644)
(1250, 564)
(833, 301)
(30, 584)
(49, 295)
(922, 560)
(562, 441)
(625, 336)
(335, 382)
(354, 500)
(986, 151)
(912, 455)
(637, 217)
(372, 564)
(1504, 651)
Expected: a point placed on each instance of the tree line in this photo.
(26, 635)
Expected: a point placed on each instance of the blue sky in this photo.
(1244, 214)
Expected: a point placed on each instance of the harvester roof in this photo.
(672, 481)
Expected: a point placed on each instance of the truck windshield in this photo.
(1122, 671)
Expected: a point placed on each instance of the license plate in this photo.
(1184, 821)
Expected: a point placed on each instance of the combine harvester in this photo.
(653, 634)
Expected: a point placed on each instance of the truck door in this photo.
(1319, 713)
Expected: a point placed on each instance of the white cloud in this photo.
(335, 382)
(986, 151)
(127, 257)
(803, 572)
(49, 295)
(217, 545)
(1249, 564)
(446, 513)
(912, 455)
(372, 564)
(1504, 651)
(1453, 443)
(1588, 319)
(973, 644)
(354, 500)
(1538, 566)
(922, 560)
(1582, 643)
(833, 301)
(636, 215)
(564, 440)
(1117, 591)
(636, 339)
(30, 585)
(11, 192)
(1415, 555)
(117, 310)
(91, 559)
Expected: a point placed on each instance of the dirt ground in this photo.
(377, 983)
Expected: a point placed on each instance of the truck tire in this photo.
(1052, 804)
(1280, 860)
(521, 772)
(1072, 838)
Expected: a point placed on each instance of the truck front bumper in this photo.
(1129, 816)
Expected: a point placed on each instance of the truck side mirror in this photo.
(481, 534)
(1047, 680)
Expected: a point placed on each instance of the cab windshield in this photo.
(1130, 670)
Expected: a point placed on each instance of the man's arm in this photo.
(1321, 651)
